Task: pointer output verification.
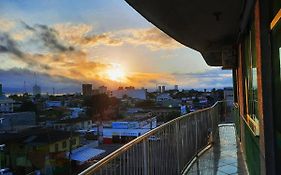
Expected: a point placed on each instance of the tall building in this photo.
(87, 89)
(163, 89)
(159, 89)
(176, 87)
(36, 90)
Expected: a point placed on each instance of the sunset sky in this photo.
(103, 42)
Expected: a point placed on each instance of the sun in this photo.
(116, 73)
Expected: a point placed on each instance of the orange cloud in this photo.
(83, 35)
(152, 38)
(146, 79)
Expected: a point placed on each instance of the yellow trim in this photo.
(275, 19)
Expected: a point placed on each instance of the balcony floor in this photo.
(223, 158)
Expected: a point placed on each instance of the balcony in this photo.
(196, 143)
(224, 157)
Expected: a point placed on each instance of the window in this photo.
(250, 73)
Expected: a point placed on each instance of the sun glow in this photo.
(116, 73)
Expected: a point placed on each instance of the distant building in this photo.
(73, 124)
(36, 90)
(134, 93)
(176, 87)
(125, 131)
(6, 104)
(163, 97)
(95, 92)
(17, 121)
(163, 89)
(159, 89)
(130, 88)
(87, 89)
(76, 112)
(102, 89)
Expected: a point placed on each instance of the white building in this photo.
(163, 97)
(6, 105)
(122, 132)
(133, 93)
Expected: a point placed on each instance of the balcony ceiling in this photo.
(210, 27)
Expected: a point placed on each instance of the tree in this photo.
(96, 104)
(114, 101)
(165, 118)
(145, 103)
(196, 100)
(28, 106)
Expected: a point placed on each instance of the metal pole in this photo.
(145, 161)
(178, 144)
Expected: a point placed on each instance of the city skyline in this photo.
(103, 43)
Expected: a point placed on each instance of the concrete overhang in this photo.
(210, 27)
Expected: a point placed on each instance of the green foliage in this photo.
(114, 101)
(179, 95)
(28, 106)
(96, 104)
(170, 116)
(145, 103)
(196, 100)
(21, 98)
(151, 95)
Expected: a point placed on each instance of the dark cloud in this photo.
(49, 36)
(8, 45)
(47, 82)
(26, 26)
(3, 49)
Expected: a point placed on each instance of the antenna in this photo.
(35, 78)
(24, 87)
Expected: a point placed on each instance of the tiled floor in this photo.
(223, 158)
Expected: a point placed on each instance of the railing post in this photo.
(178, 146)
(196, 135)
(145, 158)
